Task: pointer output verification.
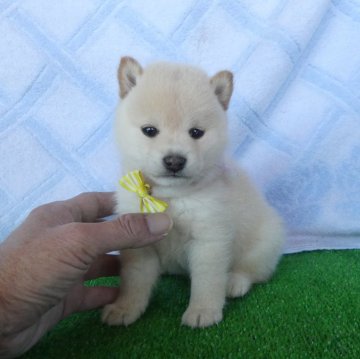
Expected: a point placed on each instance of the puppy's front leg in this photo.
(209, 264)
(140, 269)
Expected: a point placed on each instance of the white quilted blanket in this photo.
(294, 117)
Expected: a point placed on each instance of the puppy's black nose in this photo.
(174, 163)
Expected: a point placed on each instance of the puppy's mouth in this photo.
(173, 175)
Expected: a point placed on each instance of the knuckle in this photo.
(49, 210)
(86, 197)
(40, 211)
(82, 196)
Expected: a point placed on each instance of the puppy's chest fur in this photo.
(173, 250)
(190, 214)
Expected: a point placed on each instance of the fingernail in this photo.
(159, 223)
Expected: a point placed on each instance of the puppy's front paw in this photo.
(119, 314)
(201, 317)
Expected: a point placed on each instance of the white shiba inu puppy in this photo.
(171, 124)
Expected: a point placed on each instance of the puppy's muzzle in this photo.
(174, 163)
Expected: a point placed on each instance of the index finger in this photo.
(90, 206)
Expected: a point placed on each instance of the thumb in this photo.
(127, 231)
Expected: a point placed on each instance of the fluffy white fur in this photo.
(225, 236)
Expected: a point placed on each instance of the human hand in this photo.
(45, 261)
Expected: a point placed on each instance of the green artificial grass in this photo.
(310, 309)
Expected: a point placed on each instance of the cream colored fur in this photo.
(225, 236)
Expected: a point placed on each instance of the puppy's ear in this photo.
(129, 72)
(222, 83)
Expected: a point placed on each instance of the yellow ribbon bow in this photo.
(134, 182)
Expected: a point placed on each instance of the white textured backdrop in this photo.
(294, 117)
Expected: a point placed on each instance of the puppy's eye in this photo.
(196, 133)
(150, 131)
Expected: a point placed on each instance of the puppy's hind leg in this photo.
(239, 283)
(140, 269)
(258, 262)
